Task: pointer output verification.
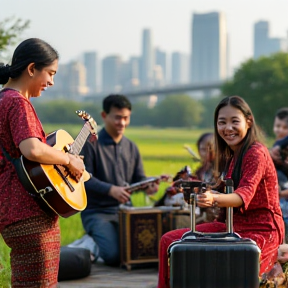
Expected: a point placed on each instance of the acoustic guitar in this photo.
(52, 183)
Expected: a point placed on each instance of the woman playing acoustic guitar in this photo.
(32, 234)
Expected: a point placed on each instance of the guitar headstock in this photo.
(91, 122)
(191, 152)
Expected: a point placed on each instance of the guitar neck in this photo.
(79, 142)
(143, 184)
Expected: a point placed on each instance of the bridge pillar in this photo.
(207, 93)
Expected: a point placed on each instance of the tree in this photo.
(178, 111)
(208, 113)
(142, 114)
(61, 111)
(10, 30)
(263, 83)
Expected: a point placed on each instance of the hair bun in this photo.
(5, 68)
(4, 73)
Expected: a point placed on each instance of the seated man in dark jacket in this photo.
(114, 162)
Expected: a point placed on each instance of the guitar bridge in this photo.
(64, 179)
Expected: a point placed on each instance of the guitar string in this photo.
(77, 145)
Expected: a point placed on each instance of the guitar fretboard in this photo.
(79, 142)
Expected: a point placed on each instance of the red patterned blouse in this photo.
(258, 188)
(18, 121)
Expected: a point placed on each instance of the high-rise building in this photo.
(263, 44)
(92, 72)
(133, 73)
(71, 81)
(179, 68)
(158, 79)
(77, 78)
(147, 60)
(161, 60)
(124, 75)
(111, 67)
(261, 35)
(134, 63)
(209, 48)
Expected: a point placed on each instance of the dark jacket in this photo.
(110, 164)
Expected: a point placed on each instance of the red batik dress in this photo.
(32, 235)
(259, 218)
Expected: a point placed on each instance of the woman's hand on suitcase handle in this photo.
(213, 198)
(207, 199)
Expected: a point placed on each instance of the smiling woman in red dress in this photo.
(32, 234)
(258, 215)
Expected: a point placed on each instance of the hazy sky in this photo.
(115, 26)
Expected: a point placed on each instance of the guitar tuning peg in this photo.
(83, 114)
(79, 112)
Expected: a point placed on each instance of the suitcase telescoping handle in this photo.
(229, 210)
(192, 212)
(229, 217)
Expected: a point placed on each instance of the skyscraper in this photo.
(71, 81)
(111, 68)
(147, 60)
(77, 79)
(209, 48)
(161, 60)
(261, 35)
(263, 44)
(134, 72)
(91, 65)
(179, 68)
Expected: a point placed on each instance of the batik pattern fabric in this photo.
(35, 251)
(259, 218)
(32, 235)
(19, 122)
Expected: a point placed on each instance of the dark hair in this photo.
(202, 138)
(223, 152)
(282, 113)
(116, 100)
(29, 51)
(209, 162)
(210, 145)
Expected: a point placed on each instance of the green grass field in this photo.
(162, 152)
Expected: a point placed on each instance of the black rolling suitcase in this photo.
(214, 260)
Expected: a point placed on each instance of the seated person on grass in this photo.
(279, 153)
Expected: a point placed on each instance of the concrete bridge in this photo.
(206, 88)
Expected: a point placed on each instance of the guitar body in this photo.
(57, 188)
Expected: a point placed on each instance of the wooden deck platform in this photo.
(103, 276)
(134, 223)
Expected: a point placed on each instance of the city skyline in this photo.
(209, 61)
(114, 27)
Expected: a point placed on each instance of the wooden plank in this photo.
(103, 276)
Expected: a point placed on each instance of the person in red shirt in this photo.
(205, 173)
(32, 234)
(256, 200)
